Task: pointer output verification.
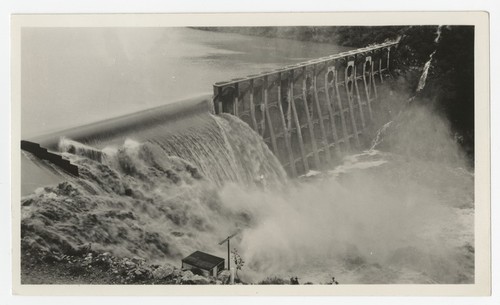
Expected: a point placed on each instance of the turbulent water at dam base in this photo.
(401, 212)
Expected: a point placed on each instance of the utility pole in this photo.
(228, 249)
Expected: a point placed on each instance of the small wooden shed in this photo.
(209, 265)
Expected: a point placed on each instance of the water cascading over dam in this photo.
(188, 130)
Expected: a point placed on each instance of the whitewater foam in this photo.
(399, 214)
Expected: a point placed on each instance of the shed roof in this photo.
(203, 260)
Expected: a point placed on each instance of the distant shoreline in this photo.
(347, 36)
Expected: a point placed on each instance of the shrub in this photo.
(273, 280)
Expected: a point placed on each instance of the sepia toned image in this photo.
(250, 156)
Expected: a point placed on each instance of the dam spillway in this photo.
(311, 113)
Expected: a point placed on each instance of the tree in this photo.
(238, 261)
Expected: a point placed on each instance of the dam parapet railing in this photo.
(312, 113)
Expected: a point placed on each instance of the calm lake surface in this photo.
(75, 76)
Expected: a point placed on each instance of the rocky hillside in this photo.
(91, 267)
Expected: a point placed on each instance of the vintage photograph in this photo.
(247, 155)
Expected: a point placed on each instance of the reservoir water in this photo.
(76, 76)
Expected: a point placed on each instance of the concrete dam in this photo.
(313, 112)
(309, 114)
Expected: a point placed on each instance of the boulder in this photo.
(200, 280)
(177, 272)
(129, 264)
(187, 276)
(162, 272)
(224, 276)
